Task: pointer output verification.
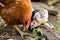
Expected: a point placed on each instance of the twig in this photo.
(2, 5)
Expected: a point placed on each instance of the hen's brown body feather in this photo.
(18, 13)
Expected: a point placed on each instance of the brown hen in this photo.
(16, 12)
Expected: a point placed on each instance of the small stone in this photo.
(56, 34)
(59, 36)
(10, 39)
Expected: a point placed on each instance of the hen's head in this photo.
(26, 22)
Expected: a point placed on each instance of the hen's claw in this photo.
(26, 34)
(22, 33)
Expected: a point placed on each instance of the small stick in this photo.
(16, 27)
(2, 5)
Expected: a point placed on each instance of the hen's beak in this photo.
(28, 24)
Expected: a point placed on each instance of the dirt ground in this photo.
(10, 33)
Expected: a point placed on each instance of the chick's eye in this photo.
(44, 12)
(36, 27)
(33, 22)
(32, 25)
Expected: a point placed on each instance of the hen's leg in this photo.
(21, 32)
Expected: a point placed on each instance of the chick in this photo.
(39, 17)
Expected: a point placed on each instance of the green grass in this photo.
(57, 23)
(57, 28)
